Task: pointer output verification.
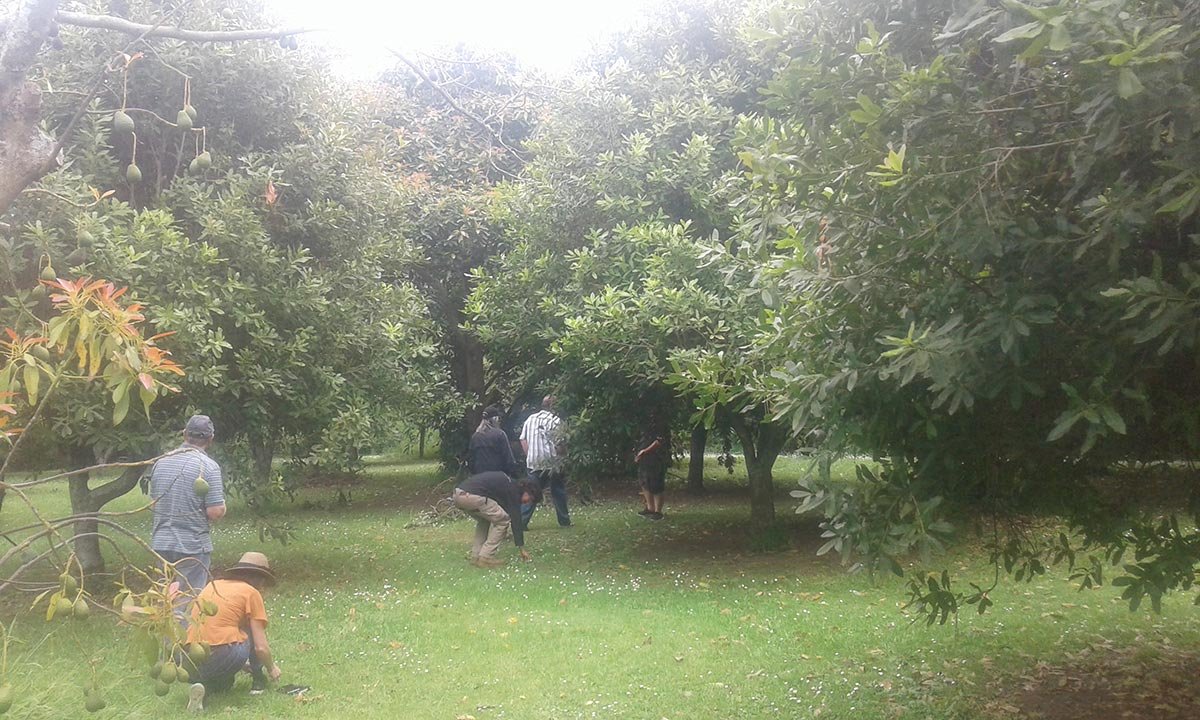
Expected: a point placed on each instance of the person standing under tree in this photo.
(489, 449)
(652, 460)
(187, 496)
(541, 439)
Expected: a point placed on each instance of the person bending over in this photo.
(235, 634)
(495, 502)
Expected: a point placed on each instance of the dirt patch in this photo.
(1150, 680)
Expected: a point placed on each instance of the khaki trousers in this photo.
(491, 523)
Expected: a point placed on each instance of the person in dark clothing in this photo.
(652, 460)
(494, 500)
(490, 450)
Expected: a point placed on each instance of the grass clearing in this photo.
(616, 617)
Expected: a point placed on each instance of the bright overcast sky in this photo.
(549, 34)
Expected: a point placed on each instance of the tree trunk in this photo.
(467, 373)
(86, 541)
(86, 501)
(262, 454)
(695, 477)
(25, 150)
(761, 443)
(421, 444)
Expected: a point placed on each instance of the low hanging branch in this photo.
(116, 24)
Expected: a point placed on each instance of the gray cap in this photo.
(199, 426)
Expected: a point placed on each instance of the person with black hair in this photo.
(490, 450)
(495, 502)
(229, 620)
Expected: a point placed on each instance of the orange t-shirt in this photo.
(237, 604)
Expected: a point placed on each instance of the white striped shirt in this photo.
(541, 434)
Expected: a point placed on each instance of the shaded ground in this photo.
(1152, 680)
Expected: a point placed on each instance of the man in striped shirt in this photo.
(188, 496)
(541, 439)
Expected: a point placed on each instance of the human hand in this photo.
(274, 673)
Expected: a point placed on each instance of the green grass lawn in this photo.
(616, 617)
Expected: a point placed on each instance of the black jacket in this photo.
(506, 493)
(490, 451)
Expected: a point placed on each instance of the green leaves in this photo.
(891, 172)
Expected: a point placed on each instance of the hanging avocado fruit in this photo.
(81, 610)
(183, 120)
(121, 122)
(161, 688)
(200, 487)
(40, 352)
(85, 238)
(48, 274)
(38, 293)
(191, 111)
(132, 174)
(77, 256)
(6, 698)
(194, 166)
(204, 160)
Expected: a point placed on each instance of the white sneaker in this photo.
(196, 698)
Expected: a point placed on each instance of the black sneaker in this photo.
(644, 512)
(258, 686)
(655, 516)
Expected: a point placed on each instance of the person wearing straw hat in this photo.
(230, 620)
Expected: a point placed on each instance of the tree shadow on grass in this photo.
(1150, 680)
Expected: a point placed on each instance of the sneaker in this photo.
(655, 516)
(258, 686)
(644, 512)
(195, 698)
(488, 562)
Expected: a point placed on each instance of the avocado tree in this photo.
(978, 225)
(644, 144)
(460, 123)
(259, 232)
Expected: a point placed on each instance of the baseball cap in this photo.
(200, 426)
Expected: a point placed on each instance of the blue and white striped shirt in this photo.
(180, 517)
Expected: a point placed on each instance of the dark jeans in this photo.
(556, 480)
(223, 664)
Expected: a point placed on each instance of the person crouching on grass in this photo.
(495, 502)
(236, 633)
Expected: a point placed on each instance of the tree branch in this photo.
(453, 103)
(108, 22)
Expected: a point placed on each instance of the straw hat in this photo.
(253, 563)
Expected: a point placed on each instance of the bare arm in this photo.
(648, 449)
(524, 446)
(215, 513)
(262, 649)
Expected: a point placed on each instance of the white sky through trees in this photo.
(547, 34)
